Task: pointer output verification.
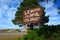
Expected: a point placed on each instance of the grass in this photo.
(14, 37)
(3, 31)
(10, 37)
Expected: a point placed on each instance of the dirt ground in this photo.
(11, 36)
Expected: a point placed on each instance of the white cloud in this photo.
(52, 11)
(12, 3)
(11, 13)
(4, 6)
(8, 27)
(7, 11)
(3, 9)
(47, 5)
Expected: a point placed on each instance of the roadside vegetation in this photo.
(44, 33)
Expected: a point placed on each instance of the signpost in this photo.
(32, 15)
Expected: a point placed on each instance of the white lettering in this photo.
(26, 20)
(26, 16)
(36, 14)
(31, 19)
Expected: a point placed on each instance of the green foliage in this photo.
(50, 32)
(20, 39)
(25, 5)
(45, 33)
(32, 35)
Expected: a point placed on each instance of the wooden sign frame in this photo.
(28, 15)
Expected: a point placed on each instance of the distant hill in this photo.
(10, 30)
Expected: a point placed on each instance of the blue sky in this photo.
(52, 11)
(9, 7)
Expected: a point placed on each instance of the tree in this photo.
(59, 10)
(43, 19)
(50, 32)
(25, 5)
(54, 1)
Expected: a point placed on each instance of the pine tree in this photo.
(25, 5)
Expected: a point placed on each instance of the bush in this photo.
(45, 33)
(33, 35)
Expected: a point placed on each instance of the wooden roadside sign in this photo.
(32, 15)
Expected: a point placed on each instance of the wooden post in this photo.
(38, 25)
(26, 30)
